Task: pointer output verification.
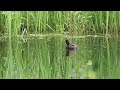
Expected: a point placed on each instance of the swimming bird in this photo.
(70, 46)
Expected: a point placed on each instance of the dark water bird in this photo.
(70, 46)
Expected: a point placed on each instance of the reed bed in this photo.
(79, 22)
(41, 54)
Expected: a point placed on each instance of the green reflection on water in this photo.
(97, 57)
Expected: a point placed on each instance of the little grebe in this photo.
(71, 46)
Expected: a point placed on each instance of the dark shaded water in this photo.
(46, 58)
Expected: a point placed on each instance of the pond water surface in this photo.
(45, 58)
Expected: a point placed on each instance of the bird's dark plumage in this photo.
(70, 46)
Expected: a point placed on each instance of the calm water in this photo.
(46, 58)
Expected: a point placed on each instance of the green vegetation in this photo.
(46, 58)
(43, 55)
(80, 22)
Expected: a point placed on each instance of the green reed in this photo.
(46, 58)
(81, 22)
(107, 58)
(10, 58)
